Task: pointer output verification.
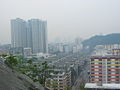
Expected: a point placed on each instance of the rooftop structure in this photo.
(104, 86)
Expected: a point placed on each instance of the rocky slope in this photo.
(10, 80)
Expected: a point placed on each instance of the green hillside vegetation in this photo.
(102, 40)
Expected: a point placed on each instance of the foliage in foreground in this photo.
(82, 88)
(68, 88)
(37, 72)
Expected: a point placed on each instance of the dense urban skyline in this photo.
(77, 18)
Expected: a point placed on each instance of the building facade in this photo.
(105, 70)
(60, 80)
(18, 33)
(38, 29)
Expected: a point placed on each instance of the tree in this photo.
(68, 88)
(10, 60)
(37, 72)
(29, 61)
(44, 73)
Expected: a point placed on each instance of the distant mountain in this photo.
(102, 40)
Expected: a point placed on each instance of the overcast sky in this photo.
(66, 18)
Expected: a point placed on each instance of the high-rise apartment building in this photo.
(18, 33)
(38, 29)
(104, 70)
(31, 34)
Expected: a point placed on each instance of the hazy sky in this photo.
(66, 18)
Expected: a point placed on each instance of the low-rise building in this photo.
(60, 79)
(27, 52)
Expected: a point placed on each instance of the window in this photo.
(92, 69)
(109, 60)
(60, 83)
(100, 59)
(61, 86)
(60, 76)
(109, 76)
(60, 80)
(117, 79)
(92, 59)
(117, 66)
(116, 63)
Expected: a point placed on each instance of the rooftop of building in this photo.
(104, 86)
(105, 57)
(101, 52)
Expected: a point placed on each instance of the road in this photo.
(82, 79)
(63, 58)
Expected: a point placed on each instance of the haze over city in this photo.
(66, 18)
(59, 44)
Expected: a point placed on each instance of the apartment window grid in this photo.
(110, 70)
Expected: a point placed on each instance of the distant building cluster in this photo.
(66, 47)
(4, 48)
(29, 36)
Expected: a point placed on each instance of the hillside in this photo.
(10, 80)
(102, 40)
